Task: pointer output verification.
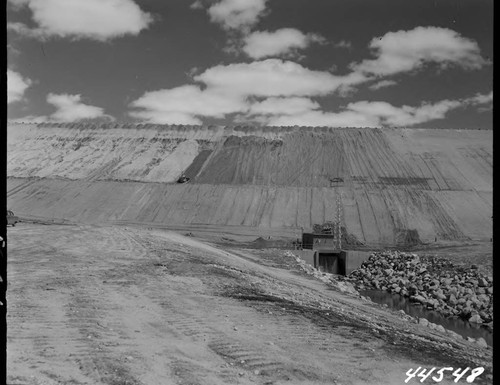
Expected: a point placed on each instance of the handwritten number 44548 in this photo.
(458, 374)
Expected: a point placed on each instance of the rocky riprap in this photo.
(433, 282)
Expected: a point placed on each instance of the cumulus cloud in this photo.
(236, 14)
(283, 106)
(71, 109)
(274, 77)
(321, 118)
(389, 115)
(281, 42)
(382, 84)
(92, 19)
(183, 104)
(165, 117)
(276, 91)
(230, 89)
(227, 89)
(16, 85)
(303, 112)
(480, 99)
(196, 5)
(405, 51)
(360, 114)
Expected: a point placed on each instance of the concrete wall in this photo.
(307, 256)
(354, 259)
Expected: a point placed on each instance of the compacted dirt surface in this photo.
(92, 304)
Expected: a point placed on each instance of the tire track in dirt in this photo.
(132, 306)
(242, 353)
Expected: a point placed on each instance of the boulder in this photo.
(484, 316)
(418, 298)
(453, 290)
(480, 290)
(466, 312)
(423, 322)
(476, 318)
(481, 342)
(489, 325)
(432, 303)
(412, 289)
(485, 298)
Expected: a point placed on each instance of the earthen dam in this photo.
(435, 185)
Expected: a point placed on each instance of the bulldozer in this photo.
(183, 179)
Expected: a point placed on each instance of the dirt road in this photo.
(124, 305)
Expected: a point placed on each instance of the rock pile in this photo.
(430, 281)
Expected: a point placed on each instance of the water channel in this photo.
(460, 326)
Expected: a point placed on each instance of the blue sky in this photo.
(395, 63)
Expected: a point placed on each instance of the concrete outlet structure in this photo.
(320, 251)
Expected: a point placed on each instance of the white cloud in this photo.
(481, 99)
(274, 77)
(382, 84)
(196, 5)
(389, 115)
(283, 106)
(228, 89)
(343, 44)
(288, 86)
(71, 109)
(181, 105)
(93, 19)
(283, 41)
(16, 85)
(405, 51)
(364, 113)
(165, 117)
(236, 14)
(321, 118)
